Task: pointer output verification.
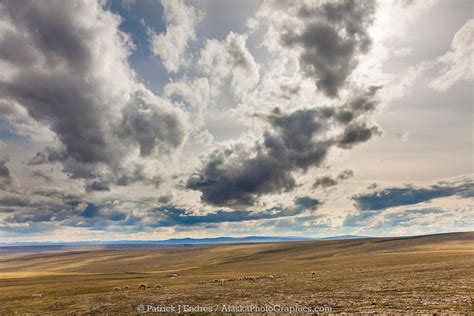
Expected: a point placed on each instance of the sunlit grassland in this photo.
(423, 274)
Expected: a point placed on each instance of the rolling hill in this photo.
(424, 274)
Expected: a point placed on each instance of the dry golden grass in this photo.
(418, 274)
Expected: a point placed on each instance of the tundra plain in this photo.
(425, 275)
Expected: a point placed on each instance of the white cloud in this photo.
(195, 94)
(220, 59)
(171, 45)
(403, 52)
(457, 64)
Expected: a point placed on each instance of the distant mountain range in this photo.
(343, 237)
(183, 241)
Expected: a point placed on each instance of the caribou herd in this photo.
(221, 282)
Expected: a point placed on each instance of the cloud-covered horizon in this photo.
(125, 118)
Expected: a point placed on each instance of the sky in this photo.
(148, 120)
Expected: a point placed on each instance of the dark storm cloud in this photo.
(329, 181)
(26, 206)
(55, 193)
(372, 186)
(4, 171)
(59, 94)
(97, 186)
(409, 195)
(7, 210)
(237, 175)
(5, 177)
(13, 49)
(40, 174)
(345, 174)
(65, 102)
(357, 133)
(224, 181)
(135, 174)
(150, 126)
(333, 37)
(231, 178)
(40, 216)
(165, 199)
(325, 182)
(57, 207)
(37, 211)
(48, 155)
(289, 91)
(306, 202)
(48, 24)
(57, 51)
(39, 206)
(120, 177)
(357, 106)
(16, 201)
(90, 211)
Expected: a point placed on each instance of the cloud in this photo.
(358, 133)
(409, 195)
(5, 177)
(77, 81)
(345, 174)
(407, 217)
(237, 174)
(230, 57)
(34, 207)
(40, 174)
(172, 216)
(195, 93)
(171, 45)
(60, 209)
(97, 186)
(324, 182)
(90, 211)
(457, 64)
(165, 199)
(151, 125)
(329, 181)
(372, 186)
(10, 110)
(442, 206)
(48, 155)
(65, 88)
(306, 202)
(414, 220)
(332, 37)
(55, 208)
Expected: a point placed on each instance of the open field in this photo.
(424, 274)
